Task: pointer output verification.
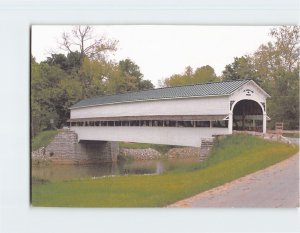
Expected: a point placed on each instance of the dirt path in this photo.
(276, 186)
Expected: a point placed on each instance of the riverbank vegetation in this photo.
(231, 158)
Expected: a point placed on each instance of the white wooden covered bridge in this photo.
(182, 115)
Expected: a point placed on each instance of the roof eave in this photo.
(133, 101)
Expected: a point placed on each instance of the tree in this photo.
(280, 54)
(53, 91)
(287, 46)
(201, 75)
(91, 75)
(131, 77)
(241, 68)
(84, 40)
(145, 85)
(204, 74)
(70, 63)
(284, 103)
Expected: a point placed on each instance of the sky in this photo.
(163, 50)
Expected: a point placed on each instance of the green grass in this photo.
(43, 139)
(291, 135)
(160, 148)
(232, 157)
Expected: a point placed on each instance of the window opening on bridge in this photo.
(125, 123)
(118, 123)
(220, 124)
(185, 124)
(166, 123)
(202, 124)
(157, 123)
(170, 123)
(145, 123)
(103, 123)
(134, 123)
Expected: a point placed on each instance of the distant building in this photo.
(180, 115)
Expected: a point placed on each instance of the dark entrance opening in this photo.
(248, 115)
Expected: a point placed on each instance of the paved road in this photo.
(276, 186)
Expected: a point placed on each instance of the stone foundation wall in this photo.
(65, 148)
(140, 154)
(206, 145)
(183, 153)
(149, 153)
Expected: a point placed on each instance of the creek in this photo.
(55, 172)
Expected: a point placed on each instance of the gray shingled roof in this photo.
(206, 89)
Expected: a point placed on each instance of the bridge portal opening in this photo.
(248, 115)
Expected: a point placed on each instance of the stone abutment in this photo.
(65, 147)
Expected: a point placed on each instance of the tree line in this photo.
(86, 70)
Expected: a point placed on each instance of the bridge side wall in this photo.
(217, 105)
(65, 147)
(155, 135)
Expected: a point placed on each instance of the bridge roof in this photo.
(197, 90)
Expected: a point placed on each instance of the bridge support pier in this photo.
(66, 148)
(206, 145)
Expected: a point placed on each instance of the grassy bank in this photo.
(291, 135)
(232, 157)
(43, 139)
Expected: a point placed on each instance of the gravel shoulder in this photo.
(274, 187)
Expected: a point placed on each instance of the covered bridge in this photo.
(182, 115)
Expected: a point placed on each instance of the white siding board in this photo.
(156, 135)
(185, 106)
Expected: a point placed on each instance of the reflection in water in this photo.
(71, 172)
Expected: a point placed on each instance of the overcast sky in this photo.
(161, 51)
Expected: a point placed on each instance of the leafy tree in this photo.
(69, 63)
(282, 54)
(286, 45)
(241, 68)
(53, 91)
(146, 85)
(131, 77)
(284, 103)
(201, 75)
(204, 74)
(91, 76)
(277, 65)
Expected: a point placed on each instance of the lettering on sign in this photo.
(248, 92)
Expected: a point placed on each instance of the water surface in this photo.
(56, 172)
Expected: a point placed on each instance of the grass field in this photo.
(231, 158)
